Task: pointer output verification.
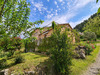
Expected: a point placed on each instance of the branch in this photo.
(2, 8)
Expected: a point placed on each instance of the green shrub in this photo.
(43, 45)
(61, 54)
(19, 59)
(3, 63)
(10, 45)
(30, 45)
(90, 36)
(89, 48)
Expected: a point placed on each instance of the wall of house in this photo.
(36, 34)
(47, 33)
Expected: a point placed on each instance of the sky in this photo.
(62, 11)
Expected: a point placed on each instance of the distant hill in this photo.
(95, 18)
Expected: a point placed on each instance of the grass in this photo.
(31, 61)
(79, 66)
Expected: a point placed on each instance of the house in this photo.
(47, 31)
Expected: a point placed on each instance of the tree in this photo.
(53, 24)
(59, 46)
(13, 16)
(99, 7)
(93, 25)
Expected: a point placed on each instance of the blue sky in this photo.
(62, 11)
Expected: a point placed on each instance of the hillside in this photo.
(93, 20)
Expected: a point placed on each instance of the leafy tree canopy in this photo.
(92, 24)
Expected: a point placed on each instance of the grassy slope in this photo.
(31, 60)
(80, 65)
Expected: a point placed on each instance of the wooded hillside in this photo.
(92, 24)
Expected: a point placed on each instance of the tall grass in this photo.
(79, 65)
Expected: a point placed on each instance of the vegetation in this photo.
(31, 61)
(19, 59)
(8, 44)
(60, 52)
(80, 65)
(13, 55)
(91, 25)
(99, 7)
(58, 45)
(89, 36)
(77, 36)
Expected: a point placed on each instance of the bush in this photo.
(30, 44)
(59, 47)
(10, 44)
(19, 59)
(43, 45)
(2, 63)
(88, 50)
(90, 36)
(17, 42)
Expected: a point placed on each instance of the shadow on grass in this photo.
(4, 65)
(45, 68)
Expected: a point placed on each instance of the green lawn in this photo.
(79, 66)
(31, 60)
(34, 59)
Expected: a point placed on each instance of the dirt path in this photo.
(94, 68)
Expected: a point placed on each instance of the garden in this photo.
(20, 53)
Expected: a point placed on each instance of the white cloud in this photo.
(55, 2)
(57, 6)
(56, 12)
(74, 7)
(48, 0)
(60, 0)
(39, 6)
(49, 16)
(34, 9)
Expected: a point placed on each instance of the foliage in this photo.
(80, 26)
(89, 49)
(8, 44)
(91, 25)
(32, 60)
(3, 63)
(13, 16)
(99, 7)
(29, 44)
(59, 45)
(80, 65)
(53, 24)
(77, 36)
(43, 47)
(17, 42)
(89, 36)
(19, 59)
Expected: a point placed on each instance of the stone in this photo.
(82, 53)
(4, 72)
(30, 73)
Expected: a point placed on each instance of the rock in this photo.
(82, 53)
(4, 72)
(76, 48)
(30, 73)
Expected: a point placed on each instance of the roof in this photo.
(51, 28)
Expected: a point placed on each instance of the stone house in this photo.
(47, 31)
